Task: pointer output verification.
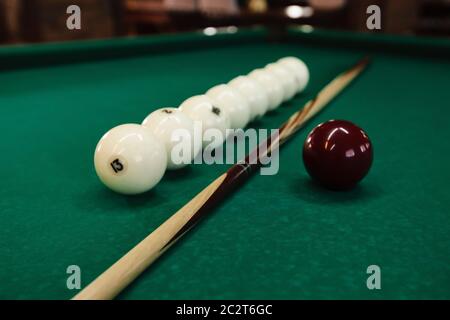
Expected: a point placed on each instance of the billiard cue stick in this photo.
(111, 282)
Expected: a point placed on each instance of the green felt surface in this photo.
(278, 237)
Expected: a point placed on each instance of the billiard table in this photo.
(277, 237)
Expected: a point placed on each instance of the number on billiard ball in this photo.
(117, 165)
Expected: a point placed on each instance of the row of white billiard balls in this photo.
(132, 158)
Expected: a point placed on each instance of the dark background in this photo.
(45, 20)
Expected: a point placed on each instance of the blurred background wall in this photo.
(45, 20)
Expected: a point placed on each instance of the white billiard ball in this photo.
(286, 79)
(203, 109)
(129, 159)
(299, 69)
(176, 130)
(271, 84)
(254, 93)
(230, 100)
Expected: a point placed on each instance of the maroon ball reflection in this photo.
(337, 154)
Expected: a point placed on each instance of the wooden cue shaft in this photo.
(111, 282)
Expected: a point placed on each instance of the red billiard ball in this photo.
(337, 154)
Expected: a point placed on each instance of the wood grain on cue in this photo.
(111, 282)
